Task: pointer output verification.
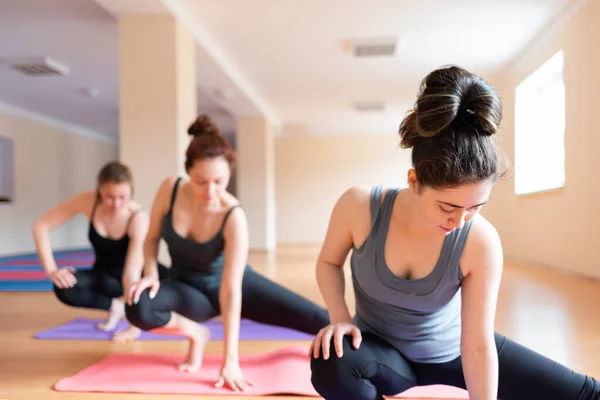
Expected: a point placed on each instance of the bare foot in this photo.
(127, 335)
(117, 311)
(198, 336)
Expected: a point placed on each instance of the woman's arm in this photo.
(56, 216)
(230, 293)
(483, 262)
(349, 220)
(134, 263)
(150, 275)
(152, 240)
(334, 251)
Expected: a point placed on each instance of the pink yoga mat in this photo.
(19, 275)
(285, 371)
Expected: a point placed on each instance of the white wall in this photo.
(561, 228)
(311, 172)
(51, 165)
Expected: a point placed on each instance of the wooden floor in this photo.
(552, 313)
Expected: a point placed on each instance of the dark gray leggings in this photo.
(96, 288)
(377, 369)
(262, 301)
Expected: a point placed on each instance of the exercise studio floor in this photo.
(553, 313)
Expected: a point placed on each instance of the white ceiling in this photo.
(83, 36)
(284, 59)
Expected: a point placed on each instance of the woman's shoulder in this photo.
(84, 201)
(167, 185)
(482, 232)
(483, 244)
(137, 208)
(229, 201)
(359, 197)
(87, 196)
(169, 182)
(234, 217)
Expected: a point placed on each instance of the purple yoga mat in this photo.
(85, 329)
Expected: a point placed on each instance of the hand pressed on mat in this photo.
(231, 375)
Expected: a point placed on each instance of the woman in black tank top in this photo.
(117, 228)
(206, 233)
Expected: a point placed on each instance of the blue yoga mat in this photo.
(35, 285)
(33, 256)
(26, 286)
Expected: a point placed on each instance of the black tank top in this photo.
(110, 253)
(191, 260)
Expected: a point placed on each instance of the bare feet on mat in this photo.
(127, 335)
(198, 336)
(117, 311)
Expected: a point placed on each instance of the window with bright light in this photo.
(540, 129)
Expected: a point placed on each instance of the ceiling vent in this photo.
(294, 129)
(369, 106)
(44, 66)
(373, 47)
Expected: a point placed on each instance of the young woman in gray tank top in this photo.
(426, 268)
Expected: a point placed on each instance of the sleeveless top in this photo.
(191, 259)
(422, 317)
(110, 253)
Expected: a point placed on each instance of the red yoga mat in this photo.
(282, 372)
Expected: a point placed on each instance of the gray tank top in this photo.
(421, 318)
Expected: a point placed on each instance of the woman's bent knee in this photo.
(373, 370)
(341, 378)
(67, 296)
(142, 314)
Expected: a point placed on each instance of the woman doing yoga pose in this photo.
(117, 228)
(206, 232)
(426, 268)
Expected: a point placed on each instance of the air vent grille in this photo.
(369, 106)
(373, 47)
(40, 67)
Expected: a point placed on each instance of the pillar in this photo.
(256, 179)
(157, 91)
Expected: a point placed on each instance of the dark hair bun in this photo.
(452, 98)
(203, 125)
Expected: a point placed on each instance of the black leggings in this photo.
(95, 288)
(377, 369)
(262, 301)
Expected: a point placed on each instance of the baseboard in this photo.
(553, 268)
(299, 244)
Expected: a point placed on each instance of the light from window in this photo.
(540, 129)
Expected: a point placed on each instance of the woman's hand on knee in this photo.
(337, 332)
(64, 278)
(135, 289)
